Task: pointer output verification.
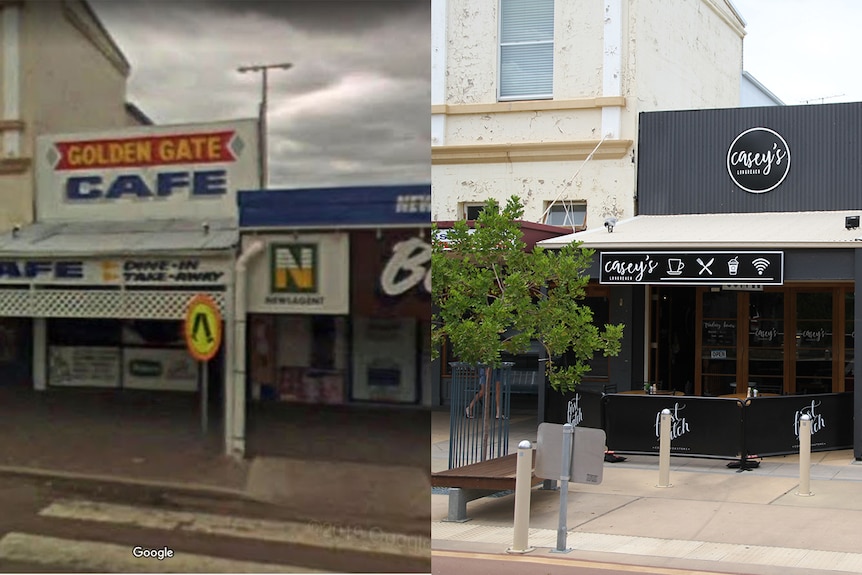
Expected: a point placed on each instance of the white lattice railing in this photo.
(129, 304)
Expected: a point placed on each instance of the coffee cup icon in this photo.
(733, 266)
(674, 266)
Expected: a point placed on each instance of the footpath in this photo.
(711, 518)
(354, 466)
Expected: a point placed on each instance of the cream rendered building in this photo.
(525, 91)
(61, 72)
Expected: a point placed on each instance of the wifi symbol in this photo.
(760, 264)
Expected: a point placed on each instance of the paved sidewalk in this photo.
(711, 518)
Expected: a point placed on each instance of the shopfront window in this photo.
(814, 342)
(323, 341)
(298, 358)
(719, 337)
(766, 342)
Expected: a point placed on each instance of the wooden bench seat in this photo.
(479, 480)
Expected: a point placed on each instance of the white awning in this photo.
(710, 231)
(154, 237)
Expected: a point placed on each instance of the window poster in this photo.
(384, 360)
(72, 366)
(160, 369)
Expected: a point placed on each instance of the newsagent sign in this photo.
(300, 274)
(692, 268)
(150, 172)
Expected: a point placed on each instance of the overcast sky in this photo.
(353, 110)
(803, 50)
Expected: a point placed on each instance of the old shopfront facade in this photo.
(338, 295)
(742, 268)
(131, 225)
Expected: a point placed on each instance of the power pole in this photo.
(261, 124)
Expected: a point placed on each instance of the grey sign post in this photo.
(572, 454)
(565, 475)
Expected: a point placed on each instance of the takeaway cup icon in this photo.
(733, 266)
(674, 266)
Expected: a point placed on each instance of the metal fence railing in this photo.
(479, 413)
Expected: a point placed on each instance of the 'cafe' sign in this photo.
(147, 172)
(142, 152)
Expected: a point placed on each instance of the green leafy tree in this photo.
(491, 296)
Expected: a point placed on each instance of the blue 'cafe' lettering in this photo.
(28, 270)
(204, 183)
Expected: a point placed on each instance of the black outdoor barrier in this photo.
(582, 407)
(708, 426)
(703, 426)
(772, 423)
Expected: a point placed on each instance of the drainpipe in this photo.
(235, 431)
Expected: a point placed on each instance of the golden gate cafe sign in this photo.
(300, 274)
(692, 268)
(151, 172)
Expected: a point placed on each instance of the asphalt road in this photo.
(446, 562)
(72, 527)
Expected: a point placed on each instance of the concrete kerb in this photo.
(102, 482)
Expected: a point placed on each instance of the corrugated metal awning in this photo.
(738, 231)
(155, 237)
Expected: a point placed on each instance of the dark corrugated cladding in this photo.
(682, 159)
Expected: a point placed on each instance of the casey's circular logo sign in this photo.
(758, 160)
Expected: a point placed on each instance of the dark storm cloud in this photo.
(334, 15)
(353, 109)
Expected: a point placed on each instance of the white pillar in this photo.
(438, 70)
(804, 456)
(40, 353)
(11, 78)
(612, 66)
(664, 449)
(236, 441)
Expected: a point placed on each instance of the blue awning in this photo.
(370, 206)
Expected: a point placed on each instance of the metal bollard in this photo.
(523, 472)
(664, 450)
(804, 456)
(562, 529)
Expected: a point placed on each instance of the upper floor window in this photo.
(526, 49)
(569, 214)
(471, 210)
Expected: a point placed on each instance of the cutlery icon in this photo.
(704, 267)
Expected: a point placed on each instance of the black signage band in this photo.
(692, 268)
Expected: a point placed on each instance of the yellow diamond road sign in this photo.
(203, 328)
